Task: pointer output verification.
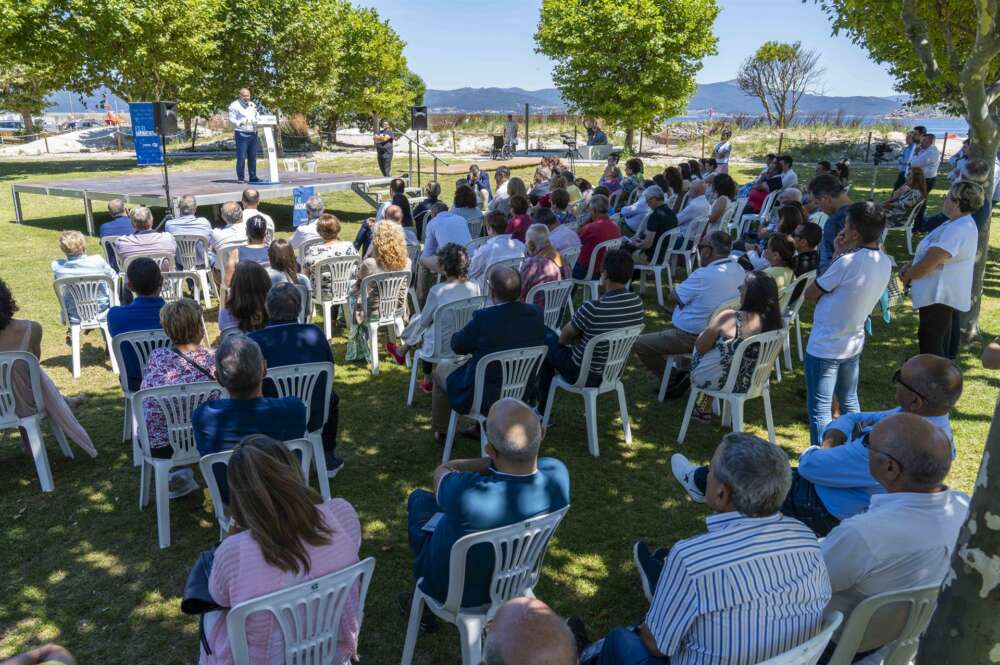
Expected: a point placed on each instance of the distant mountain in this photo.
(480, 100)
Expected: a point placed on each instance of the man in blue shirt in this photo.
(284, 342)
(120, 224)
(510, 485)
(143, 313)
(221, 424)
(831, 197)
(833, 480)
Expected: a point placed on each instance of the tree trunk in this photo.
(964, 629)
(29, 122)
(629, 138)
(187, 127)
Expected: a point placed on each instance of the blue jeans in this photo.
(624, 647)
(246, 154)
(826, 377)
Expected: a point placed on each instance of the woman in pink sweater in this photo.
(283, 534)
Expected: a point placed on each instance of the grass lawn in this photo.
(83, 564)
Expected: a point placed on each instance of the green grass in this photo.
(83, 566)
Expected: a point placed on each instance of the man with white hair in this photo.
(540, 185)
(188, 222)
(525, 631)
(507, 486)
(119, 224)
(697, 205)
(235, 229)
(660, 220)
(144, 240)
(307, 231)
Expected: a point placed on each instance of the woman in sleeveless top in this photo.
(255, 250)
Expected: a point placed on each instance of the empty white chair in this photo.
(307, 614)
(893, 620)
(192, 251)
(302, 381)
(517, 368)
(768, 346)
(448, 320)
(331, 281)
(591, 280)
(662, 262)
(32, 423)
(302, 448)
(177, 403)
(309, 166)
(554, 295)
(389, 288)
(617, 345)
(88, 293)
(907, 226)
(142, 343)
(809, 652)
(519, 550)
(688, 247)
(291, 165)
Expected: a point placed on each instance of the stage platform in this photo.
(208, 187)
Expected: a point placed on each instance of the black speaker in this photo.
(165, 117)
(418, 118)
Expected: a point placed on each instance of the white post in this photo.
(267, 122)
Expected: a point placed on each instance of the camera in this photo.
(881, 150)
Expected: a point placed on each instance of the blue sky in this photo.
(457, 44)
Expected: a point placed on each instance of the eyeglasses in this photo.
(897, 379)
(866, 442)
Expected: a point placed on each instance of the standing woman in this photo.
(383, 147)
(940, 275)
(722, 151)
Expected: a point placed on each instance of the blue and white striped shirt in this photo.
(749, 589)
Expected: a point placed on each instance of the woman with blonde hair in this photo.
(388, 254)
(543, 263)
(283, 534)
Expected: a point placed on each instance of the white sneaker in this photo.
(684, 473)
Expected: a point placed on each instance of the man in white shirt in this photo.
(499, 246)
(188, 222)
(928, 157)
(235, 229)
(907, 537)
(695, 300)
(632, 215)
(250, 202)
(788, 177)
(697, 205)
(243, 118)
(501, 199)
(561, 236)
(845, 295)
(307, 231)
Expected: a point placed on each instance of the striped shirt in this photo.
(749, 589)
(612, 311)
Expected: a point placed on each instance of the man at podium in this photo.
(243, 118)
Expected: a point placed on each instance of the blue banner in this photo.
(148, 148)
(299, 197)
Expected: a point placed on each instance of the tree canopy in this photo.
(778, 75)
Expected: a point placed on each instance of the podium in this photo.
(267, 123)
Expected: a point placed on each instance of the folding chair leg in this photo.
(161, 474)
(623, 412)
(328, 320)
(590, 410)
(470, 632)
(737, 415)
(38, 452)
(319, 459)
(413, 381)
(107, 340)
(145, 483)
(127, 420)
(548, 404)
(74, 332)
(665, 381)
(205, 289)
(798, 335)
(692, 400)
(450, 438)
(412, 627)
(60, 437)
(658, 276)
(373, 347)
(769, 416)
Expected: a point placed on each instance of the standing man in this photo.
(510, 133)
(243, 117)
(383, 147)
(928, 157)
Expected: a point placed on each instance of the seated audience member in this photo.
(785, 216)
(26, 335)
(283, 268)
(432, 193)
(188, 222)
(745, 591)
(615, 309)
(780, 256)
(144, 241)
(845, 295)
(120, 223)
(328, 229)
(674, 185)
(144, 279)
(633, 175)
(235, 231)
(661, 219)
(244, 308)
(540, 185)
(447, 226)
(186, 360)
(510, 485)
(80, 264)
(526, 631)
(251, 208)
(583, 186)
(823, 167)
(256, 249)
(788, 177)
(543, 262)
(53, 654)
(388, 255)
(479, 182)
(907, 536)
(284, 341)
(453, 260)
(716, 346)
(517, 225)
(724, 188)
(307, 230)
(843, 173)
(756, 196)
(695, 300)
(509, 324)
(833, 480)
(499, 245)
(599, 228)
(832, 198)
(501, 198)
(397, 187)
(611, 179)
(807, 238)
(598, 137)
(902, 202)
(560, 207)
(561, 235)
(631, 216)
(464, 203)
(697, 205)
(695, 166)
(287, 535)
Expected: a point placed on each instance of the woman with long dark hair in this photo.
(716, 346)
(248, 292)
(255, 250)
(284, 267)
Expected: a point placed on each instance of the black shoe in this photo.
(660, 553)
(648, 567)
(333, 466)
(428, 622)
(678, 386)
(253, 180)
(579, 631)
(241, 181)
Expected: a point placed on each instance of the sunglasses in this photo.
(866, 442)
(897, 379)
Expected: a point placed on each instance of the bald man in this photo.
(833, 481)
(907, 536)
(525, 631)
(509, 485)
(243, 118)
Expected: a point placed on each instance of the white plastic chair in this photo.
(475, 226)
(291, 165)
(809, 652)
(142, 343)
(309, 166)
(591, 280)
(571, 255)
(907, 226)
(729, 220)
(760, 217)
(448, 320)
(517, 368)
(307, 614)
(513, 262)
(672, 360)
(519, 550)
(87, 292)
(207, 464)
(301, 381)
(192, 251)
(389, 288)
(473, 245)
(166, 262)
(177, 403)
(768, 346)
(819, 217)
(688, 249)
(897, 619)
(32, 423)
(413, 252)
(304, 247)
(338, 274)
(554, 295)
(110, 253)
(662, 262)
(618, 346)
(174, 283)
(790, 312)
